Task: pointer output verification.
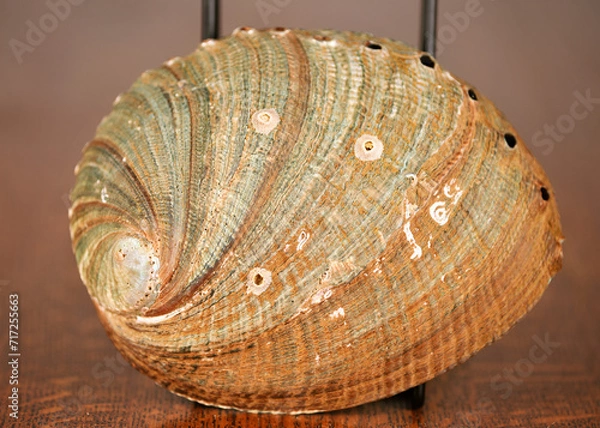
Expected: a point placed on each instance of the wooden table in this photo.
(69, 372)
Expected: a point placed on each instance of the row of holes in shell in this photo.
(427, 61)
(368, 147)
(510, 139)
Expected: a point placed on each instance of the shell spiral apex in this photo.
(300, 221)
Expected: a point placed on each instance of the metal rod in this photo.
(210, 19)
(428, 25)
(417, 396)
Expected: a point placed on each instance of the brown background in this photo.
(530, 57)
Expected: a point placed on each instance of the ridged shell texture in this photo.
(299, 221)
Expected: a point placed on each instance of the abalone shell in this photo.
(299, 221)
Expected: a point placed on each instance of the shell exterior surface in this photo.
(300, 221)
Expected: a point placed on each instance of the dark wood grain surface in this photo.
(535, 59)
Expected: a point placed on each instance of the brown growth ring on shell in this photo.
(295, 221)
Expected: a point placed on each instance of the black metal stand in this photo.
(416, 396)
(428, 25)
(210, 19)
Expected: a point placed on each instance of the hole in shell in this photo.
(368, 148)
(245, 28)
(320, 38)
(472, 94)
(258, 280)
(373, 45)
(427, 61)
(510, 139)
(545, 193)
(279, 29)
(264, 121)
